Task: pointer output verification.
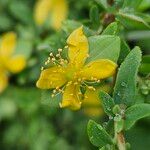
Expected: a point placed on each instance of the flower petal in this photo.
(91, 103)
(8, 43)
(58, 13)
(3, 81)
(94, 112)
(53, 10)
(78, 47)
(99, 69)
(41, 11)
(71, 97)
(16, 64)
(91, 98)
(51, 78)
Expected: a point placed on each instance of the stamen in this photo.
(51, 54)
(91, 88)
(79, 93)
(57, 55)
(52, 95)
(75, 83)
(42, 68)
(87, 55)
(85, 96)
(69, 83)
(59, 50)
(66, 46)
(54, 91)
(53, 59)
(57, 88)
(60, 105)
(79, 80)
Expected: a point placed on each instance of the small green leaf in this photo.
(145, 4)
(107, 102)
(124, 51)
(136, 112)
(112, 29)
(104, 47)
(131, 3)
(144, 68)
(125, 87)
(145, 65)
(116, 109)
(132, 21)
(94, 16)
(21, 11)
(97, 135)
(102, 3)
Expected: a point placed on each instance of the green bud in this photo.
(116, 109)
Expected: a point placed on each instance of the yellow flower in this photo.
(9, 61)
(74, 73)
(53, 11)
(91, 103)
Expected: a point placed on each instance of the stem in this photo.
(121, 141)
(119, 138)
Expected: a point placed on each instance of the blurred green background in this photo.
(30, 121)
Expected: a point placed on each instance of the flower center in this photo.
(72, 73)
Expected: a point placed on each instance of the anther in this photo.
(51, 54)
(79, 79)
(98, 81)
(87, 55)
(59, 50)
(53, 59)
(52, 95)
(91, 88)
(57, 55)
(57, 88)
(54, 91)
(75, 83)
(42, 68)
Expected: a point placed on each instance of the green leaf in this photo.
(104, 47)
(108, 147)
(111, 29)
(97, 135)
(21, 11)
(8, 108)
(5, 22)
(69, 25)
(24, 47)
(47, 99)
(125, 87)
(145, 4)
(107, 102)
(145, 65)
(132, 21)
(124, 51)
(102, 3)
(144, 68)
(136, 112)
(131, 3)
(94, 16)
